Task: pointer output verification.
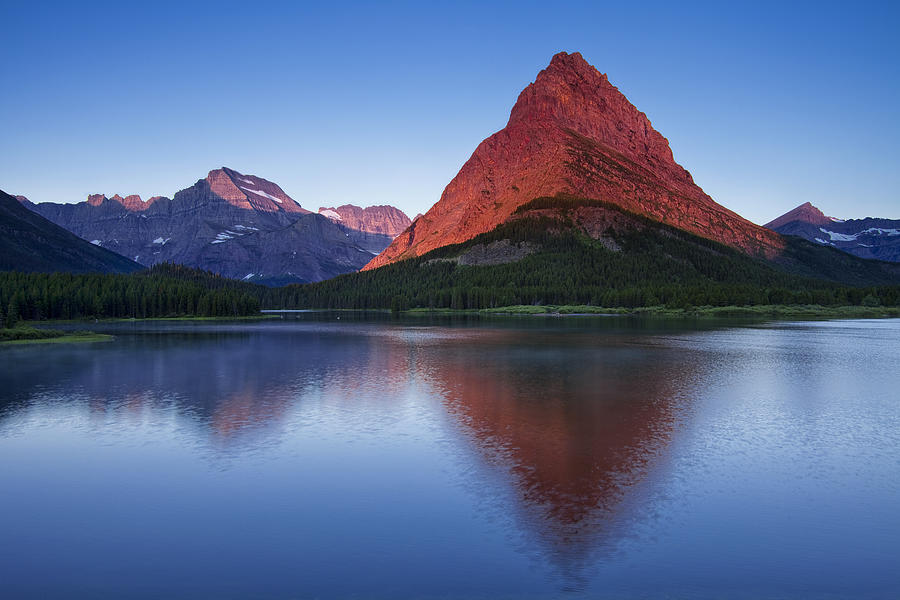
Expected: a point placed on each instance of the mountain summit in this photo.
(806, 213)
(871, 237)
(237, 225)
(573, 132)
(250, 192)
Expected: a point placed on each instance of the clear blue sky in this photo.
(767, 104)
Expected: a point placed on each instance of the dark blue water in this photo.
(531, 458)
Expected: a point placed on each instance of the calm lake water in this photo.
(519, 458)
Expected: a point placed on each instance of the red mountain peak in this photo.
(572, 132)
(806, 212)
(132, 203)
(250, 192)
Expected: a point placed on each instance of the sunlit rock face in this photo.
(573, 132)
(382, 219)
(372, 228)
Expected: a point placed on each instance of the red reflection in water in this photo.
(576, 434)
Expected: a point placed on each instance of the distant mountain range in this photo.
(867, 238)
(31, 243)
(577, 199)
(240, 226)
(382, 220)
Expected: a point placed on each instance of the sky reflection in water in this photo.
(398, 459)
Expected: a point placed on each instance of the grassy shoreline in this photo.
(21, 335)
(26, 333)
(776, 311)
(260, 317)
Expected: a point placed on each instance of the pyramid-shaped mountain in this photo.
(805, 213)
(572, 132)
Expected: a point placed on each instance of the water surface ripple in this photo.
(520, 458)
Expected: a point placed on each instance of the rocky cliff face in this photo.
(385, 220)
(372, 228)
(238, 225)
(573, 132)
(866, 238)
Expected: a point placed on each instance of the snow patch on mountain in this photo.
(841, 237)
(263, 194)
(845, 237)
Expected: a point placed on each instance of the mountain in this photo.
(867, 238)
(382, 219)
(579, 251)
(806, 213)
(240, 226)
(573, 132)
(375, 227)
(29, 242)
(580, 201)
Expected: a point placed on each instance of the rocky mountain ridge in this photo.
(871, 238)
(29, 242)
(241, 226)
(381, 219)
(573, 132)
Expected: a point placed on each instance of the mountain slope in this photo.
(373, 227)
(29, 242)
(806, 212)
(381, 219)
(571, 131)
(311, 248)
(569, 250)
(237, 225)
(872, 238)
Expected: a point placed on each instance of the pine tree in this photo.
(12, 313)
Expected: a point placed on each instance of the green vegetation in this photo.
(21, 332)
(161, 291)
(655, 265)
(637, 266)
(29, 335)
(800, 311)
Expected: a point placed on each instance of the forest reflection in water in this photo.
(562, 439)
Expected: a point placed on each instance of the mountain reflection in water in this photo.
(464, 459)
(575, 422)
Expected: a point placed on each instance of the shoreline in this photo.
(761, 312)
(260, 317)
(79, 337)
(772, 311)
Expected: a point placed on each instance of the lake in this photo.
(357, 457)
